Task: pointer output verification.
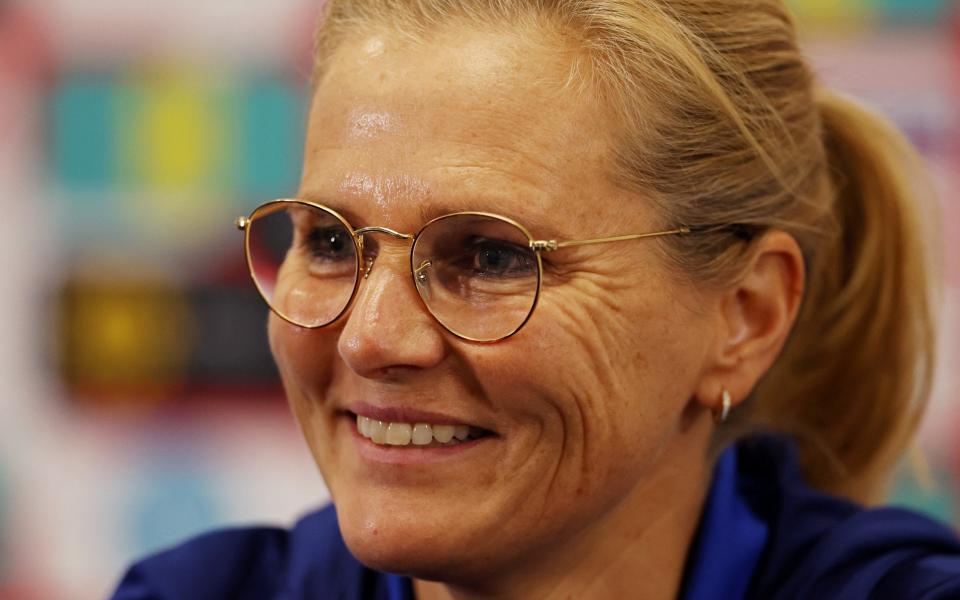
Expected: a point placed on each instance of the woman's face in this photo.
(581, 408)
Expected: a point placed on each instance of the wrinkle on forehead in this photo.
(370, 124)
(389, 194)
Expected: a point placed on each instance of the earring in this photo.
(720, 415)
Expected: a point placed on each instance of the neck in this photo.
(636, 550)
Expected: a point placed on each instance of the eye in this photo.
(497, 258)
(330, 243)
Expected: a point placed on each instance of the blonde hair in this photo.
(723, 123)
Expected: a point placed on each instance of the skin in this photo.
(594, 482)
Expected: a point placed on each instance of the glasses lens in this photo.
(477, 275)
(304, 262)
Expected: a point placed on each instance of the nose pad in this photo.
(369, 250)
(421, 275)
(368, 265)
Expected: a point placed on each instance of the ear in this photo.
(757, 312)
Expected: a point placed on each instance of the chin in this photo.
(416, 541)
(409, 549)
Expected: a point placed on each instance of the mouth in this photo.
(416, 433)
(404, 433)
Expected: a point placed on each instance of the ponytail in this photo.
(853, 380)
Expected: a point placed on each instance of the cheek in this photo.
(590, 420)
(303, 355)
(621, 372)
(305, 361)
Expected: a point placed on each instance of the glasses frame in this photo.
(363, 270)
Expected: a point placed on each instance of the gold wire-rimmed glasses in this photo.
(478, 274)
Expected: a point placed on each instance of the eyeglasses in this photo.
(479, 274)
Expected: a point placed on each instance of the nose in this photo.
(388, 330)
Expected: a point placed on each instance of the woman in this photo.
(649, 234)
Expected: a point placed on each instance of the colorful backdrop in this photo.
(139, 403)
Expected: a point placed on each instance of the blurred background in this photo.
(138, 401)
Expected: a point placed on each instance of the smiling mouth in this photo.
(417, 435)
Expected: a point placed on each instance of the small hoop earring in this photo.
(720, 415)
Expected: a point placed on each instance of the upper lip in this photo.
(405, 414)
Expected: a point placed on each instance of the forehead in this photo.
(466, 120)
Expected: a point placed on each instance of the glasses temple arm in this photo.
(548, 245)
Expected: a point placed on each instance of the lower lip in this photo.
(412, 454)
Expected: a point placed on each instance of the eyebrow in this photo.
(330, 201)
(430, 210)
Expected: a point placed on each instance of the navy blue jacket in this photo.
(763, 535)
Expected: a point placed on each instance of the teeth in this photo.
(398, 434)
(422, 434)
(364, 425)
(402, 434)
(378, 431)
(443, 433)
